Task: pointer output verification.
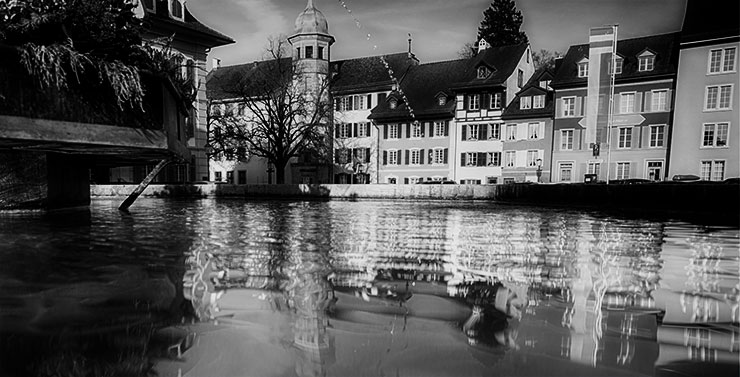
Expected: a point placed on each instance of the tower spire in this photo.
(310, 4)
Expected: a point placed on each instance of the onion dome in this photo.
(311, 21)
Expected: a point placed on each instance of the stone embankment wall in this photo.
(694, 197)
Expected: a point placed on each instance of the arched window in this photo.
(176, 10)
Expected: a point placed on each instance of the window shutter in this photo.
(407, 157)
(431, 156)
(521, 131)
(648, 98)
(423, 126)
(369, 101)
(408, 130)
(336, 130)
(668, 95)
(338, 156)
(447, 128)
(367, 154)
(406, 181)
(367, 129)
(464, 132)
(462, 159)
(481, 159)
(617, 103)
(638, 102)
(521, 159)
(355, 153)
(354, 129)
(385, 157)
(482, 131)
(541, 132)
(421, 157)
(559, 108)
(385, 131)
(445, 156)
(485, 100)
(465, 102)
(579, 106)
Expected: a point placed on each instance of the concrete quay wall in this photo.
(720, 198)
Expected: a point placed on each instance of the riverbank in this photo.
(721, 199)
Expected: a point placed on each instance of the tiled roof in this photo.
(707, 20)
(665, 46)
(368, 73)
(503, 60)
(191, 24)
(421, 86)
(233, 81)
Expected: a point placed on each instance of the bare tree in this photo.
(544, 59)
(276, 110)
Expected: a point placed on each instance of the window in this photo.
(569, 106)
(242, 176)
(491, 180)
(474, 102)
(520, 78)
(362, 130)
(566, 140)
(509, 159)
(482, 72)
(583, 69)
(342, 156)
(176, 9)
(618, 63)
(392, 180)
(658, 102)
(713, 170)
(441, 100)
(393, 103)
(623, 170)
(473, 130)
(393, 131)
(309, 52)
(439, 129)
(393, 157)
(566, 171)
(525, 103)
(495, 131)
(494, 158)
(496, 100)
(438, 157)
(415, 180)
(594, 168)
(150, 5)
(415, 157)
(722, 60)
(343, 131)
(533, 130)
(646, 62)
(627, 103)
(715, 135)
(718, 97)
(320, 54)
(545, 84)
(416, 130)
(511, 132)
(625, 138)
(471, 159)
(657, 136)
(532, 157)
(539, 101)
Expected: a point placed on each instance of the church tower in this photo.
(311, 44)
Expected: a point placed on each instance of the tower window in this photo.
(176, 10)
(309, 52)
(298, 52)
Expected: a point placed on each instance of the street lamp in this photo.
(359, 170)
(539, 170)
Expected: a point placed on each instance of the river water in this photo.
(367, 288)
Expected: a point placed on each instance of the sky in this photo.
(439, 28)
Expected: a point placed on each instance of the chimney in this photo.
(216, 62)
(411, 55)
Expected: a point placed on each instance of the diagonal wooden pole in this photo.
(143, 185)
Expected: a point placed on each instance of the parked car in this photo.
(443, 182)
(686, 178)
(630, 181)
(732, 181)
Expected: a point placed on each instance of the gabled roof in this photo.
(208, 36)
(503, 59)
(229, 82)
(665, 46)
(532, 88)
(710, 20)
(422, 85)
(539, 75)
(368, 73)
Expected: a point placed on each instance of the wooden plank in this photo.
(52, 131)
(142, 186)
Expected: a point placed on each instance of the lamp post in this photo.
(359, 170)
(539, 170)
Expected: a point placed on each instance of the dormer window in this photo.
(583, 68)
(482, 72)
(646, 61)
(545, 84)
(441, 100)
(150, 5)
(176, 9)
(525, 103)
(393, 103)
(618, 63)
